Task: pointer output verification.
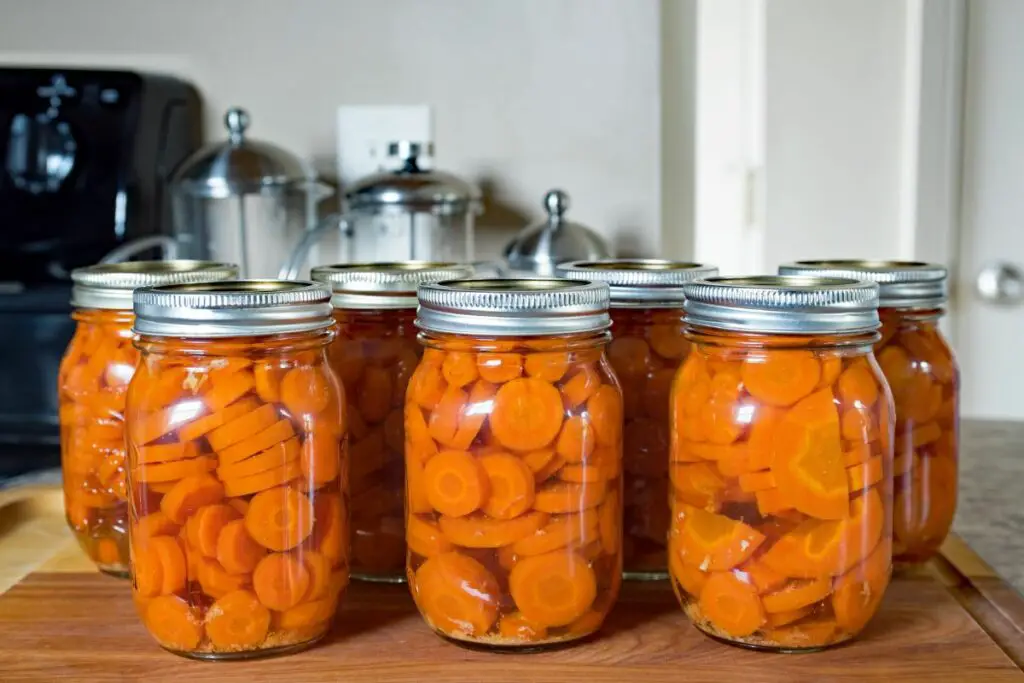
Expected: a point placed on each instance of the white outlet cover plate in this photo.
(364, 132)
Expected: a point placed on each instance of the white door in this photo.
(989, 287)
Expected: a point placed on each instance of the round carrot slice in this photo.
(305, 391)
(172, 563)
(859, 592)
(457, 594)
(330, 535)
(689, 579)
(549, 366)
(459, 368)
(456, 483)
(781, 378)
(279, 518)
(865, 475)
(777, 619)
(280, 581)
(206, 424)
(419, 444)
(511, 486)
(760, 575)
(237, 621)
(215, 581)
(610, 523)
(267, 378)
(526, 414)
(808, 463)
(147, 455)
(274, 457)
(242, 427)
(305, 615)
(190, 494)
(425, 538)
(797, 594)
(562, 497)
(427, 385)
(173, 623)
(444, 418)
(499, 367)
(320, 457)
(237, 552)
(209, 521)
(553, 589)
(561, 531)
(174, 470)
(154, 524)
(731, 605)
(581, 386)
(605, 408)
(244, 486)
(417, 500)
(698, 484)
(518, 628)
(577, 440)
(478, 531)
(714, 542)
(319, 568)
(831, 367)
(857, 385)
(227, 388)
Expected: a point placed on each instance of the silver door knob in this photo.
(1001, 283)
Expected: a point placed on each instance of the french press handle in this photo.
(300, 254)
(168, 249)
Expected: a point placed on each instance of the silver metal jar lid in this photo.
(235, 308)
(384, 285)
(110, 285)
(901, 284)
(777, 304)
(643, 283)
(513, 308)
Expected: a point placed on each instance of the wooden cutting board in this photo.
(953, 620)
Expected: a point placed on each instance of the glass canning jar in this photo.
(922, 372)
(647, 348)
(513, 444)
(781, 462)
(237, 464)
(92, 384)
(374, 354)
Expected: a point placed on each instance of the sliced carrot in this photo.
(237, 621)
(549, 366)
(425, 538)
(797, 594)
(154, 524)
(279, 518)
(777, 619)
(757, 481)
(280, 581)
(427, 385)
(307, 614)
(714, 542)
(479, 531)
(866, 475)
(511, 486)
(526, 414)
(499, 367)
(305, 390)
(443, 424)
(215, 580)
(148, 428)
(459, 368)
(456, 483)
(605, 408)
(173, 622)
(857, 385)
(697, 484)
(805, 634)
(553, 589)
(320, 457)
(319, 568)
(831, 367)
(855, 455)
(581, 474)
(206, 424)
(267, 376)
(417, 500)
(147, 455)
(630, 356)
(279, 431)
(159, 390)
(457, 594)
(577, 440)
(174, 470)
(559, 532)
(561, 497)
(227, 389)
(237, 552)
(275, 456)
(610, 523)
(167, 553)
(209, 521)
(420, 445)
(760, 575)
(518, 628)
(244, 486)
(330, 535)
(781, 378)
(242, 427)
(859, 592)
(581, 386)
(538, 460)
(551, 468)
(808, 460)
(731, 605)
(190, 494)
(473, 415)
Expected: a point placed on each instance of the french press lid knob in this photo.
(556, 203)
(236, 120)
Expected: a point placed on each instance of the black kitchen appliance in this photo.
(85, 158)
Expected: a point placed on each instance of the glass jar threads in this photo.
(513, 443)
(781, 462)
(646, 350)
(925, 381)
(237, 459)
(374, 355)
(93, 383)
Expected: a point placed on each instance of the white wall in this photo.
(527, 94)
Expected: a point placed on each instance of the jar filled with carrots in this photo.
(923, 376)
(647, 348)
(781, 462)
(92, 385)
(374, 355)
(236, 464)
(513, 444)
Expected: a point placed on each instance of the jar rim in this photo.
(640, 283)
(901, 284)
(110, 285)
(393, 284)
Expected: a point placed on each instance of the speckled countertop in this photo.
(990, 514)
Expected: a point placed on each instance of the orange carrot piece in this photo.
(781, 378)
(731, 605)
(276, 456)
(305, 391)
(242, 427)
(561, 531)
(237, 621)
(215, 580)
(499, 367)
(147, 455)
(237, 552)
(154, 524)
(209, 521)
(329, 537)
(319, 568)
(227, 389)
(866, 475)
(563, 497)
(306, 614)
(173, 622)
(478, 531)
(577, 440)
(244, 486)
(174, 470)
(190, 494)
(605, 408)
(320, 458)
(797, 594)
(714, 542)
(280, 581)
(553, 589)
(204, 425)
(581, 386)
(457, 594)
(425, 538)
(511, 486)
(281, 430)
(279, 518)
(456, 483)
(459, 368)
(267, 378)
(549, 366)
(857, 385)
(526, 414)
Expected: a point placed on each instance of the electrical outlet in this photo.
(364, 133)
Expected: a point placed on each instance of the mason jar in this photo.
(925, 381)
(781, 462)
(374, 354)
(236, 468)
(647, 348)
(513, 447)
(92, 385)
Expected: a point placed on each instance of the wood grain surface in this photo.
(57, 627)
